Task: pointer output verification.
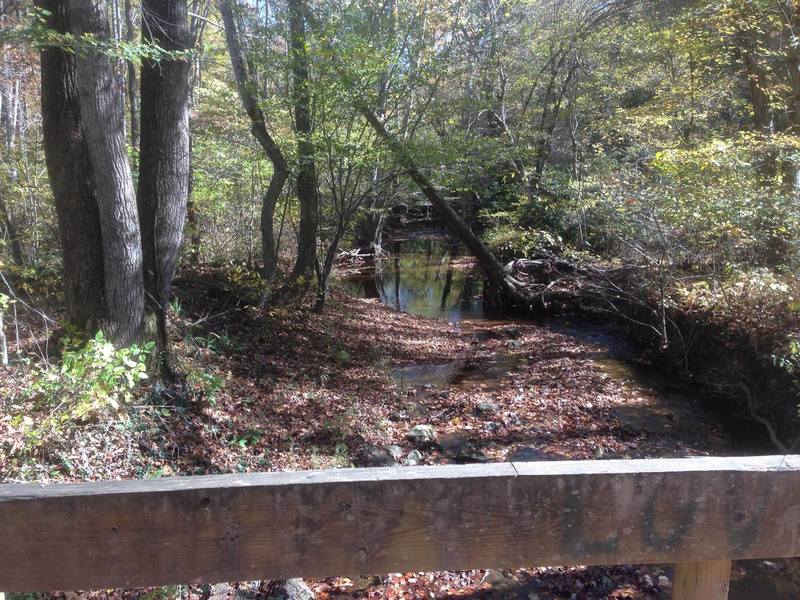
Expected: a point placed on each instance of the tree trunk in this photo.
(191, 211)
(790, 167)
(71, 179)
(763, 117)
(10, 107)
(133, 104)
(11, 232)
(306, 169)
(280, 171)
(163, 157)
(103, 124)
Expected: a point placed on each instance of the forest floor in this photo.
(297, 390)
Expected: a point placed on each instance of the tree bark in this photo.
(306, 168)
(191, 211)
(280, 170)
(11, 232)
(790, 168)
(163, 156)
(71, 179)
(10, 107)
(133, 104)
(102, 120)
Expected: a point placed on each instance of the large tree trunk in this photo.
(280, 170)
(306, 168)
(71, 179)
(163, 156)
(103, 124)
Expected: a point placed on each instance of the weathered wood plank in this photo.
(707, 580)
(356, 521)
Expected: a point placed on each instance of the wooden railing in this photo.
(698, 513)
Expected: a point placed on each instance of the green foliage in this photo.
(790, 361)
(34, 30)
(5, 303)
(93, 380)
(205, 383)
(509, 241)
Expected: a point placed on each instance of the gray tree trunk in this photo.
(163, 156)
(71, 179)
(103, 125)
(11, 108)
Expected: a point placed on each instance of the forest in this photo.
(243, 236)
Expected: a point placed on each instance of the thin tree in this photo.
(306, 184)
(164, 155)
(248, 92)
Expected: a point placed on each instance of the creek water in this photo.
(427, 274)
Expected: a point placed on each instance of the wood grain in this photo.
(364, 521)
(708, 580)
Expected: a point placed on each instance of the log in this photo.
(357, 521)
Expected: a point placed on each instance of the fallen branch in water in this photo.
(768, 425)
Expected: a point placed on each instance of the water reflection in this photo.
(421, 277)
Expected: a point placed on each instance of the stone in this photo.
(296, 589)
(663, 582)
(413, 459)
(460, 449)
(496, 578)
(422, 434)
(486, 407)
(395, 451)
(532, 455)
(375, 457)
(220, 591)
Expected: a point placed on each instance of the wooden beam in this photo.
(708, 580)
(364, 521)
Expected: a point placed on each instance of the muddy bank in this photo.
(728, 351)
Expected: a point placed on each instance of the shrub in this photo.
(93, 380)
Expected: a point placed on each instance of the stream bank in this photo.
(580, 386)
(426, 274)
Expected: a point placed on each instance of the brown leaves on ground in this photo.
(294, 390)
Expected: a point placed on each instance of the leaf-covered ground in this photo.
(297, 390)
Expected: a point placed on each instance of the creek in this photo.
(427, 274)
